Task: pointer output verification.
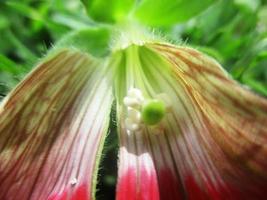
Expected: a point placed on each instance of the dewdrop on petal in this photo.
(73, 182)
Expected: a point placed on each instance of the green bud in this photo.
(153, 111)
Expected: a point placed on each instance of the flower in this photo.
(205, 139)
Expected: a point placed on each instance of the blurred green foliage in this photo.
(168, 12)
(28, 28)
(232, 31)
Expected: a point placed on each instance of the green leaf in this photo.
(22, 50)
(92, 40)
(248, 5)
(25, 10)
(257, 86)
(9, 66)
(4, 23)
(167, 12)
(108, 11)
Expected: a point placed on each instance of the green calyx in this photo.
(153, 111)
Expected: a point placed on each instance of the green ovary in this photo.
(153, 111)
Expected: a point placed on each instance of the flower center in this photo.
(141, 111)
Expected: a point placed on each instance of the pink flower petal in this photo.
(212, 143)
(51, 130)
(137, 175)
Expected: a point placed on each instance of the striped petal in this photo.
(52, 127)
(212, 142)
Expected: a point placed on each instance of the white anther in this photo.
(136, 93)
(134, 115)
(131, 125)
(132, 102)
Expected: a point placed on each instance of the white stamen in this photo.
(136, 93)
(134, 115)
(131, 125)
(132, 102)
